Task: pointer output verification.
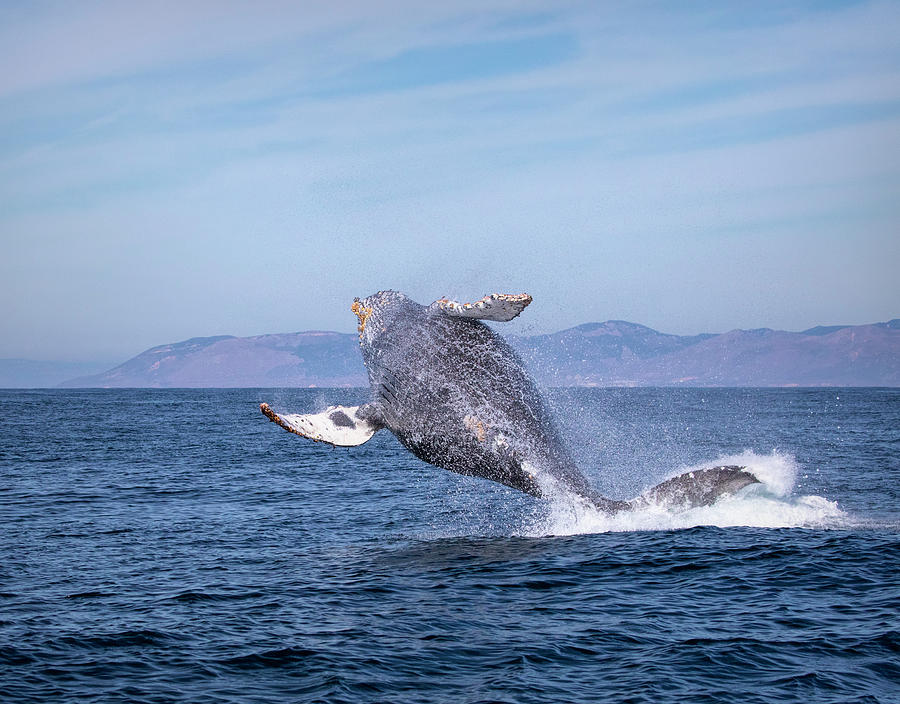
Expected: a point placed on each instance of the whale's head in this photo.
(378, 311)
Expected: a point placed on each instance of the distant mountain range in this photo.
(617, 353)
(614, 353)
(313, 358)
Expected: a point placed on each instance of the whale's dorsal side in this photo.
(342, 426)
(499, 307)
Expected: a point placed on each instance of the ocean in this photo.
(175, 546)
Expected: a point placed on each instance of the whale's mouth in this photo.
(363, 313)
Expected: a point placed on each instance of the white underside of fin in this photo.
(336, 425)
(500, 307)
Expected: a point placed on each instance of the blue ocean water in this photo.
(174, 546)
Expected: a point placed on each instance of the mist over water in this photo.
(174, 545)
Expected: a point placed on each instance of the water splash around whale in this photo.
(770, 504)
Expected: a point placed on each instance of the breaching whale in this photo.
(457, 396)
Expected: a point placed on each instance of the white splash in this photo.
(765, 505)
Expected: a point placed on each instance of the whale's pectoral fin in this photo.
(701, 487)
(342, 426)
(500, 307)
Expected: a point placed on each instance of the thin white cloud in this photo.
(54, 43)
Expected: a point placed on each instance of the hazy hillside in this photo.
(31, 374)
(290, 359)
(614, 353)
(624, 354)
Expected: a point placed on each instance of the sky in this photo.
(171, 170)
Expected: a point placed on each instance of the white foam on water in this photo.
(768, 504)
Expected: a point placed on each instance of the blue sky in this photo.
(170, 170)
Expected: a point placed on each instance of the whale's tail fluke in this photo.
(701, 487)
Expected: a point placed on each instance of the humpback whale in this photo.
(457, 396)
